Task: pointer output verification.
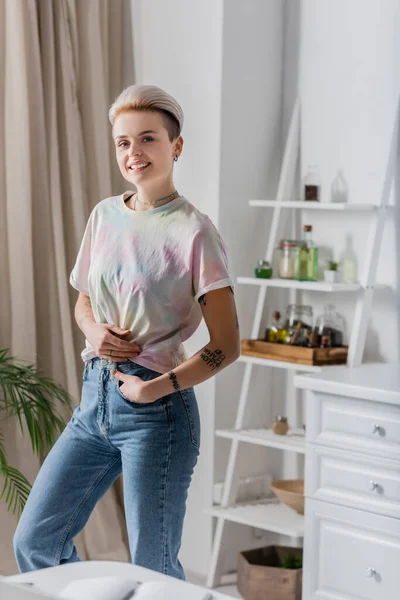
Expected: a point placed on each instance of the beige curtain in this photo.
(62, 62)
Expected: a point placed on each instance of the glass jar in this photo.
(281, 426)
(298, 324)
(263, 269)
(287, 249)
(329, 328)
(312, 185)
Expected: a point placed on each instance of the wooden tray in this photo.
(294, 354)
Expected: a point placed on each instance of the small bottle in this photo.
(306, 261)
(339, 188)
(263, 269)
(312, 185)
(349, 262)
(280, 426)
(273, 332)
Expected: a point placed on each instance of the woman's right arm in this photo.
(103, 337)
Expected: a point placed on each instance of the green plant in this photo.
(292, 562)
(333, 266)
(28, 395)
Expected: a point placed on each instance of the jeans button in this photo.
(103, 362)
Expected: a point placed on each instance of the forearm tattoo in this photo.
(88, 311)
(174, 380)
(213, 358)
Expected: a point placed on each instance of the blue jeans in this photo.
(155, 446)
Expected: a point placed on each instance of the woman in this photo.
(149, 268)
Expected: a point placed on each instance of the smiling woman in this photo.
(150, 267)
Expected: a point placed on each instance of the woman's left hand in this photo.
(133, 388)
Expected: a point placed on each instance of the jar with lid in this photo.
(329, 328)
(298, 324)
(312, 185)
(263, 269)
(281, 426)
(287, 249)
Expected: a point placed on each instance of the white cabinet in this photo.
(350, 556)
(352, 484)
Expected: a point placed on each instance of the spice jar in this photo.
(263, 269)
(280, 426)
(329, 328)
(299, 322)
(287, 250)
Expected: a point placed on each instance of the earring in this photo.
(175, 159)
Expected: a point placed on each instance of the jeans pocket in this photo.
(119, 383)
(188, 397)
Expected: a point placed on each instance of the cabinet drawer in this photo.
(350, 554)
(359, 425)
(353, 480)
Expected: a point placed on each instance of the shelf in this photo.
(335, 206)
(315, 286)
(294, 440)
(280, 364)
(269, 515)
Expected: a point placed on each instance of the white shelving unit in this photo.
(272, 515)
(312, 286)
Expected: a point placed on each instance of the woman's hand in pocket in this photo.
(133, 388)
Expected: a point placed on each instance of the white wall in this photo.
(350, 85)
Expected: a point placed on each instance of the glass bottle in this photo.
(330, 328)
(312, 185)
(349, 262)
(263, 269)
(274, 331)
(339, 188)
(306, 259)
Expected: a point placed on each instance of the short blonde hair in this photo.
(152, 98)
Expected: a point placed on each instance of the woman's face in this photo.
(143, 149)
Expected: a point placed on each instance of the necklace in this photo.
(169, 197)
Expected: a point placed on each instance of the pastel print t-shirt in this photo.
(146, 270)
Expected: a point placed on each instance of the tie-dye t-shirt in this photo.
(146, 270)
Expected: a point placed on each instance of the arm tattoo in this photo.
(213, 358)
(174, 380)
(88, 312)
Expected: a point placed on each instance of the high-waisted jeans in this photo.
(154, 445)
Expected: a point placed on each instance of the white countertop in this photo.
(377, 382)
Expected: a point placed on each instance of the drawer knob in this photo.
(373, 485)
(371, 572)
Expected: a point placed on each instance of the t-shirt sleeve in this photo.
(79, 275)
(210, 269)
